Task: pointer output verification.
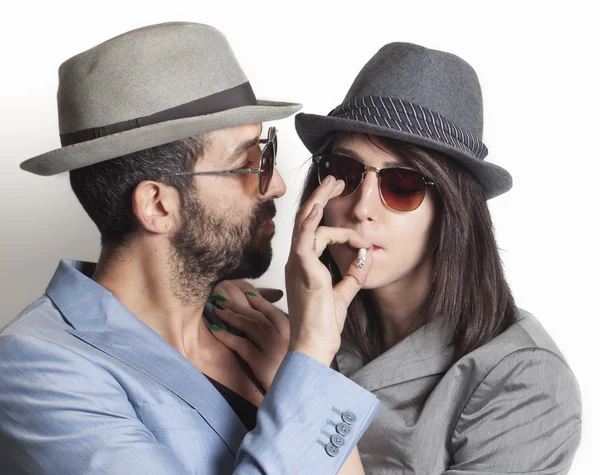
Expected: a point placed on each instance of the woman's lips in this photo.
(353, 249)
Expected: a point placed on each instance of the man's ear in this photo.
(155, 205)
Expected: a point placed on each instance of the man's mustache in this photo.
(264, 212)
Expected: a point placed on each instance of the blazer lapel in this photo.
(423, 353)
(99, 319)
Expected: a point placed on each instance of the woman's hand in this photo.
(266, 328)
(317, 309)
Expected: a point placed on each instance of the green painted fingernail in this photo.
(218, 297)
(215, 328)
(219, 306)
(252, 294)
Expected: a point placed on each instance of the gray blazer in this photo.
(511, 406)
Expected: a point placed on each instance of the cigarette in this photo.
(362, 255)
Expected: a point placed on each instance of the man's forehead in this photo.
(235, 135)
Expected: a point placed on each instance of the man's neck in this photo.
(139, 275)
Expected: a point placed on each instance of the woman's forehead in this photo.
(363, 147)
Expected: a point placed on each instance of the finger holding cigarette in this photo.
(325, 236)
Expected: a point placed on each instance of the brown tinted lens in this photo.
(342, 168)
(267, 163)
(402, 190)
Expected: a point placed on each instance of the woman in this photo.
(470, 384)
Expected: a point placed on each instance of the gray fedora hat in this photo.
(149, 87)
(416, 95)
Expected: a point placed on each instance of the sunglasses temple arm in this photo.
(245, 171)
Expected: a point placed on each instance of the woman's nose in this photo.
(366, 199)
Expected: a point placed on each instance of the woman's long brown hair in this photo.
(468, 293)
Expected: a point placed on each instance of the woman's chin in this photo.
(373, 282)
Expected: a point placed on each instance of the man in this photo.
(114, 370)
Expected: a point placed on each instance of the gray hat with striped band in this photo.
(416, 95)
(149, 87)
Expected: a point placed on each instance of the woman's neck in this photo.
(399, 303)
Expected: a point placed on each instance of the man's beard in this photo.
(210, 248)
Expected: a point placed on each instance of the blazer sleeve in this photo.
(62, 413)
(299, 417)
(523, 418)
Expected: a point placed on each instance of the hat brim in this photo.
(116, 145)
(313, 129)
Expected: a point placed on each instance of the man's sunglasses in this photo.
(265, 167)
(400, 189)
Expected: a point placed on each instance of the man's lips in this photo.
(268, 225)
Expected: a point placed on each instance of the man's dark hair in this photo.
(105, 189)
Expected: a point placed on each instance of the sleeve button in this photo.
(337, 440)
(349, 417)
(331, 450)
(342, 428)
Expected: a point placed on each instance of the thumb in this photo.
(270, 294)
(354, 278)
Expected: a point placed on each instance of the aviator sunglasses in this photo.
(400, 189)
(265, 167)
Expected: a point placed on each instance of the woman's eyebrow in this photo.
(347, 153)
(397, 162)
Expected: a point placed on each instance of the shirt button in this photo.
(331, 450)
(337, 440)
(349, 417)
(342, 428)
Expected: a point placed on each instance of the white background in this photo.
(537, 62)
